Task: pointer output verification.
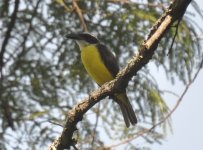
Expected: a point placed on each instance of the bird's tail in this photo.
(126, 108)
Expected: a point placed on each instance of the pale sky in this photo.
(187, 121)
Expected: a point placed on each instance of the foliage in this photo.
(42, 76)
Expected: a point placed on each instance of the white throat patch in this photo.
(82, 44)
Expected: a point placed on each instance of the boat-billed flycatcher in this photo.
(102, 66)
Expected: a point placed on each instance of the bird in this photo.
(102, 66)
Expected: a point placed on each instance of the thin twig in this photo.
(95, 126)
(176, 32)
(55, 123)
(8, 33)
(5, 104)
(79, 12)
(75, 147)
(170, 92)
(145, 131)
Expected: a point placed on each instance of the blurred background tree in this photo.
(42, 76)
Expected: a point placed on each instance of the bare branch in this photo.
(8, 33)
(95, 126)
(4, 104)
(173, 40)
(80, 15)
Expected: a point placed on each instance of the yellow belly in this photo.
(93, 64)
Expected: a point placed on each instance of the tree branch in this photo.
(4, 103)
(8, 33)
(175, 12)
(95, 126)
(80, 15)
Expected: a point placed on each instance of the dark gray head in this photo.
(83, 39)
(83, 36)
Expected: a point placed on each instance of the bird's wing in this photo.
(109, 59)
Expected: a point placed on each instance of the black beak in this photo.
(73, 36)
